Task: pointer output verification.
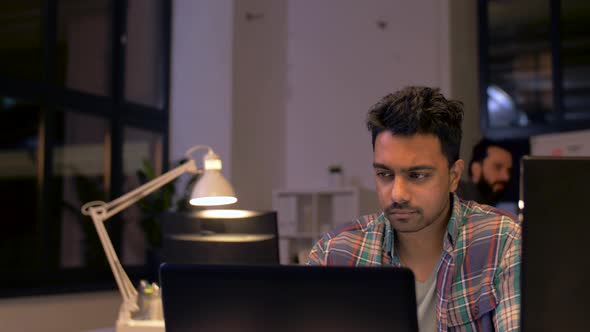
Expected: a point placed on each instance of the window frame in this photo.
(118, 113)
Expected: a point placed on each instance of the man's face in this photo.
(494, 171)
(413, 180)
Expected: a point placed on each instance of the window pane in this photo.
(575, 58)
(80, 164)
(21, 39)
(144, 61)
(83, 45)
(20, 236)
(520, 90)
(142, 162)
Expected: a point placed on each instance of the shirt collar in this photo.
(388, 236)
(455, 222)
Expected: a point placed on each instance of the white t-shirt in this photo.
(425, 300)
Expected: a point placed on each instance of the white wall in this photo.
(201, 78)
(260, 78)
(340, 63)
(281, 88)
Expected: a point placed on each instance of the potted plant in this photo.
(155, 205)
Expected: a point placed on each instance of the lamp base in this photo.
(133, 325)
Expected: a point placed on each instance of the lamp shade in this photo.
(212, 188)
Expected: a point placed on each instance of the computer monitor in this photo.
(556, 243)
(220, 237)
(211, 298)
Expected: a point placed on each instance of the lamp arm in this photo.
(128, 292)
(135, 195)
(100, 211)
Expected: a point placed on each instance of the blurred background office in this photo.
(94, 91)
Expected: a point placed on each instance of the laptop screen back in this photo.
(287, 298)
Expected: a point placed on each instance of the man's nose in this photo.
(505, 175)
(399, 190)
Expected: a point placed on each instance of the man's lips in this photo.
(499, 186)
(402, 213)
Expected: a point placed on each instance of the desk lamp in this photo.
(211, 189)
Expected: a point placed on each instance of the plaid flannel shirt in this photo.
(478, 275)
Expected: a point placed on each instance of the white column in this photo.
(201, 77)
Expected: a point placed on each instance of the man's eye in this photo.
(417, 175)
(383, 174)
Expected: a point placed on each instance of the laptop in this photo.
(556, 242)
(256, 298)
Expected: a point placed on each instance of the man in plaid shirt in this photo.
(465, 256)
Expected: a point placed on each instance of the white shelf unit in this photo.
(305, 215)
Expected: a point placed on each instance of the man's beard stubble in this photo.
(486, 190)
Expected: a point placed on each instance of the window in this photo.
(534, 60)
(83, 106)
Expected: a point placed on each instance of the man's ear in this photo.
(475, 171)
(455, 174)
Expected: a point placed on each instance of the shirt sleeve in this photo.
(507, 313)
(317, 255)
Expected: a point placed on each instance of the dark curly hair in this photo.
(419, 110)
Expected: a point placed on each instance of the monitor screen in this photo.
(556, 242)
(220, 237)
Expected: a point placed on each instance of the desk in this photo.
(135, 326)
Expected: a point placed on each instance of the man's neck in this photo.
(421, 250)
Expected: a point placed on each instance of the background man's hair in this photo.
(480, 151)
(419, 110)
